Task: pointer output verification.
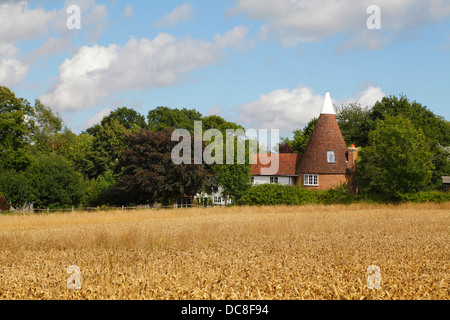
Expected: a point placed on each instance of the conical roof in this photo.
(326, 137)
(327, 107)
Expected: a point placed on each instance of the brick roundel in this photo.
(326, 137)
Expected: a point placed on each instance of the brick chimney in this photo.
(352, 155)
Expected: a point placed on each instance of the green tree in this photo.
(398, 159)
(102, 191)
(107, 144)
(172, 118)
(77, 149)
(435, 128)
(355, 124)
(15, 129)
(301, 137)
(127, 117)
(15, 187)
(47, 126)
(233, 178)
(53, 183)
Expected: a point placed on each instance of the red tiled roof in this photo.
(288, 163)
(326, 136)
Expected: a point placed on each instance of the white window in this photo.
(217, 199)
(311, 180)
(273, 179)
(330, 157)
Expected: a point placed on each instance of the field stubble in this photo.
(304, 252)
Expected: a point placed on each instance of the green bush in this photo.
(14, 186)
(425, 196)
(338, 195)
(53, 183)
(278, 194)
(101, 191)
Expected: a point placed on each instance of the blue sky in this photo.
(263, 64)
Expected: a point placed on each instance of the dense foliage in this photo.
(278, 194)
(149, 174)
(126, 157)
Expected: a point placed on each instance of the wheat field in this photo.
(298, 252)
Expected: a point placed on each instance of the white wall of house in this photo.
(217, 197)
(267, 179)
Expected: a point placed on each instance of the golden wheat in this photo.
(304, 252)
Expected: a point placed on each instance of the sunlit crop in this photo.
(304, 252)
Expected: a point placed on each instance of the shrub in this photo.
(15, 187)
(425, 196)
(338, 195)
(274, 194)
(4, 205)
(101, 191)
(53, 183)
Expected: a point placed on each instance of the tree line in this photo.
(123, 160)
(126, 158)
(403, 146)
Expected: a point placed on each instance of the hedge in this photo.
(278, 194)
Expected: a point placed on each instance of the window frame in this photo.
(273, 179)
(331, 152)
(311, 180)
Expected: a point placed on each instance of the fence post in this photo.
(48, 210)
(73, 210)
(122, 208)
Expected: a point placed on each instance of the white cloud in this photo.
(12, 70)
(51, 47)
(18, 22)
(366, 96)
(298, 21)
(235, 38)
(96, 22)
(282, 109)
(184, 12)
(288, 110)
(97, 118)
(80, 84)
(128, 11)
(95, 72)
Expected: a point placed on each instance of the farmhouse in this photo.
(326, 162)
(287, 170)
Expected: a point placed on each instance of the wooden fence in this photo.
(102, 208)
